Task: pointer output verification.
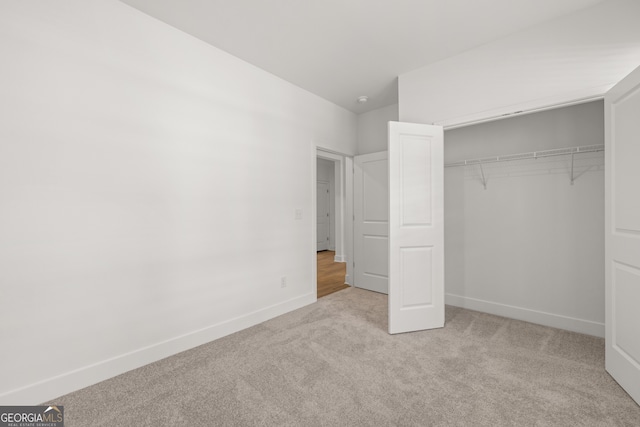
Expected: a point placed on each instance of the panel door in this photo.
(416, 227)
(371, 222)
(323, 215)
(622, 233)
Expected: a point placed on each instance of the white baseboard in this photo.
(347, 280)
(539, 317)
(51, 388)
(339, 258)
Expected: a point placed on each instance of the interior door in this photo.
(416, 227)
(322, 215)
(622, 233)
(371, 222)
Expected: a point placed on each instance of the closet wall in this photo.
(530, 246)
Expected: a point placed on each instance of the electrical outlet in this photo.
(283, 282)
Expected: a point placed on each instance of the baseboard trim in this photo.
(51, 388)
(582, 326)
(339, 258)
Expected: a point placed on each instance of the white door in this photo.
(371, 222)
(622, 233)
(416, 227)
(322, 214)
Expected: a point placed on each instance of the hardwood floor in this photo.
(330, 274)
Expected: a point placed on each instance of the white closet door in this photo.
(416, 227)
(622, 233)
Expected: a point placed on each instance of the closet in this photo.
(524, 217)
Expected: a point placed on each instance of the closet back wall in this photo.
(530, 246)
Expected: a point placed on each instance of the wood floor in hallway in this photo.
(330, 274)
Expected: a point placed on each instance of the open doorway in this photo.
(332, 245)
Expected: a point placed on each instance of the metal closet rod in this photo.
(531, 155)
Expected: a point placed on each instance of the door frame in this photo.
(343, 193)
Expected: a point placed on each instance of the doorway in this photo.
(332, 234)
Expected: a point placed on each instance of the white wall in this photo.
(530, 246)
(574, 57)
(148, 189)
(325, 172)
(372, 129)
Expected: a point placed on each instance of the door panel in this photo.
(416, 227)
(322, 215)
(374, 182)
(416, 265)
(371, 223)
(622, 233)
(375, 256)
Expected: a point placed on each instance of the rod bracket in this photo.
(572, 177)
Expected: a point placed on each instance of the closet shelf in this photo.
(532, 155)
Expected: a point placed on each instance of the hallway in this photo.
(330, 274)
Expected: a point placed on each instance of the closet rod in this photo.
(532, 155)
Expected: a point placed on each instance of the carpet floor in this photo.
(334, 364)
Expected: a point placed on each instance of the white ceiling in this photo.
(341, 49)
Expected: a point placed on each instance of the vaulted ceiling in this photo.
(342, 49)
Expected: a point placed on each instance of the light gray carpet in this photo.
(333, 364)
